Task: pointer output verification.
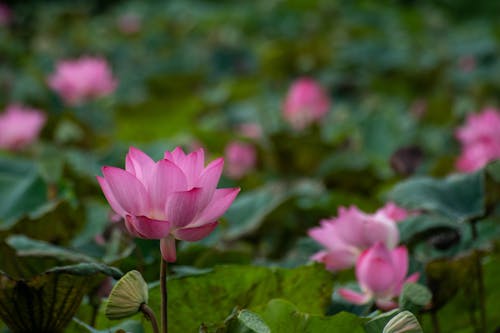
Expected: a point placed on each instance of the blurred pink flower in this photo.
(305, 103)
(381, 274)
(467, 63)
(129, 23)
(5, 15)
(240, 158)
(393, 212)
(250, 130)
(480, 139)
(353, 231)
(20, 126)
(81, 80)
(174, 198)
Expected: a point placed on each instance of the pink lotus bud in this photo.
(174, 198)
(241, 158)
(81, 80)
(480, 138)
(129, 23)
(467, 63)
(381, 274)
(305, 103)
(20, 126)
(5, 15)
(353, 231)
(393, 212)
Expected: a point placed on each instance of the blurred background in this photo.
(396, 79)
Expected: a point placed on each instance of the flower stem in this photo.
(480, 281)
(164, 296)
(149, 314)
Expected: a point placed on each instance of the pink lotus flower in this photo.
(174, 198)
(381, 274)
(241, 158)
(250, 130)
(305, 103)
(353, 231)
(81, 80)
(5, 15)
(393, 212)
(20, 126)
(480, 138)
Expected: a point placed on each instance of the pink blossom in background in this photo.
(129, 23)
(250, 130)
(80, 80)
(174, 198)
(305, 103)
(347, 235)
(393, 212)
(381, 274)
(5, 15)
(240, 159)
(467, 63)
(20, 126)
(480, 139)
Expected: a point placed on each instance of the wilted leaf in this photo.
(46, 303)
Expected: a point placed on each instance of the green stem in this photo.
(149, 314)
(435, 321)
(480, 281)
(164, 296)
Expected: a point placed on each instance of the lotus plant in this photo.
(173, 198)
(305, 103)
(480, 139)
(353, 231)
(20, 126)
(381, 274)
(80, 80)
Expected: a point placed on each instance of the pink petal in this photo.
(327, 235)
(340, 258)
(110, 197)
(196, 233)
(129, 192)
(167, 248)
(131, 229)
(192, 165)
(413, 278)
(148, 228)
(375, 270)
(350, 225)
(221, 200)
(182, 207)
(139, 164)
(400, 262)
(382, 230)
(353, 296)
(165, 179)
(209, 178)
(386, 305)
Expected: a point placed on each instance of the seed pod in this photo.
(127, 296)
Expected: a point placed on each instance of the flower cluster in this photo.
(369, 242)
(480, 139)
(174, 198)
